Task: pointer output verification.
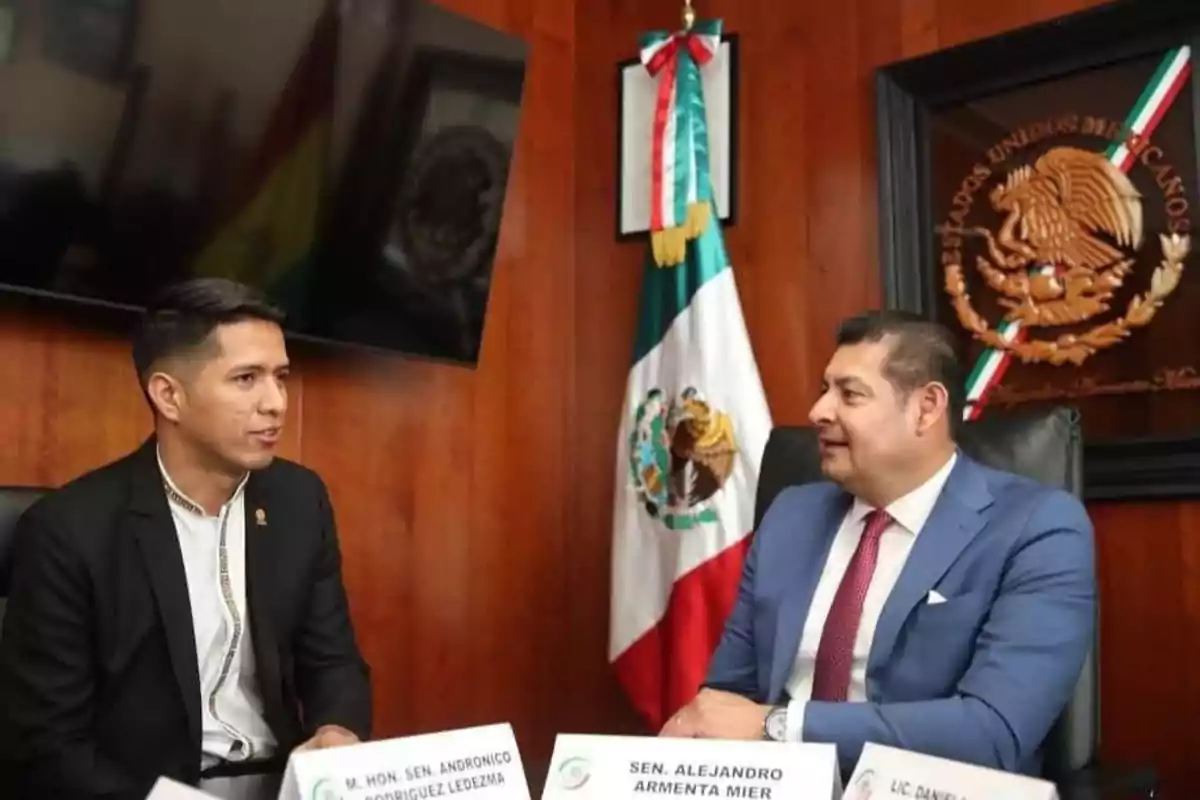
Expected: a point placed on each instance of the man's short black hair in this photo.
(922, 352)
(180, 319)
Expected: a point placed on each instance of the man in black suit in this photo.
(181, 611)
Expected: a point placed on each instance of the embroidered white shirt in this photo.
(233, 727)
(909, 514)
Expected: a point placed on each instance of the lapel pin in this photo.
(260, 517)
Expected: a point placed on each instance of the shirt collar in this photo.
(913, 509)
(174, 495)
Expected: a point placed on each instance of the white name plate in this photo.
(167, 789)
(883, 773)
(466, 763)
(611, 767)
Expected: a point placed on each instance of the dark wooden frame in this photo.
(730, 219)
(906, 94)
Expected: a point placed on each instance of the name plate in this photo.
(883, 773)
(608, 767)
(167, 789)
(459, 764)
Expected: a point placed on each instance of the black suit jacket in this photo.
(99, 686)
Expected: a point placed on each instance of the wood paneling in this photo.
(1149, 556)
(475, 505)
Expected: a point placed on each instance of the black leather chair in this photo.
(13, 502)
(1045, 445)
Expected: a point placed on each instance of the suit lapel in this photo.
(159, 542)
(951, 526)
(261, 536)
(812, 551)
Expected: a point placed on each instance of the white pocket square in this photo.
(934, 598)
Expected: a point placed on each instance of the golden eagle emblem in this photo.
(1071, 229)
(681, 453)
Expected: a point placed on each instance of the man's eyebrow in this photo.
(850, 381)
(256, 366)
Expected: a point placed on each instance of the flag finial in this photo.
(689, 15)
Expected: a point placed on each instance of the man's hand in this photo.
(328, 736)
(718, 715)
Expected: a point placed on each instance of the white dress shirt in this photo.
(908, 514)
(233, 727)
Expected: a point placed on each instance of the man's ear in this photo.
(933, 404)
(167, 395)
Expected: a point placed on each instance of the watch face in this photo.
(777, 724)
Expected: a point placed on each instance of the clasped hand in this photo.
(717, 715)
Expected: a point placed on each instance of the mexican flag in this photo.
(271, 239)
(693, 429)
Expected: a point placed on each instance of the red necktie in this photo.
(835, 653)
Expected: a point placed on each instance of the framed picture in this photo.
(420, 201)
(444, 223)
(636, 93)
(92, 37)
(1037, 195)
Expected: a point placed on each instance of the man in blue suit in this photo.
(918, 599)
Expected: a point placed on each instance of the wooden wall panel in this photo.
(1150, 636)
(68, 401)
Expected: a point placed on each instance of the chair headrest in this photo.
(14, 500)
(1045, 445)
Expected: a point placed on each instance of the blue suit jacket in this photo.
(979, 678)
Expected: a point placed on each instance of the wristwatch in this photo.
(775, 725)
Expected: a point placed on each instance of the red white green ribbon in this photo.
(680, 181)
(1147, 113)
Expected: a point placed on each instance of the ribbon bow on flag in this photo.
(680, 183)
